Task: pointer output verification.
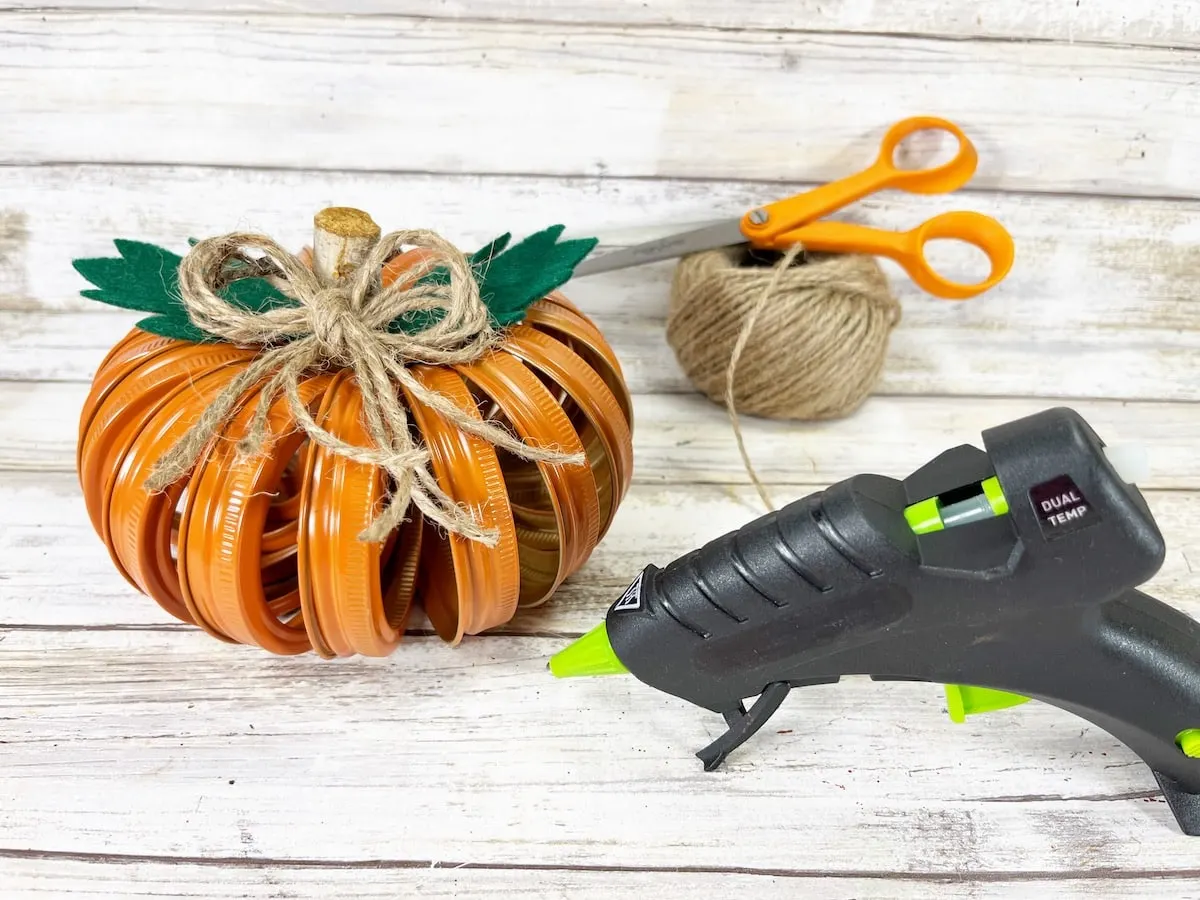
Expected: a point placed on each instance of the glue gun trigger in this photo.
(743, 724)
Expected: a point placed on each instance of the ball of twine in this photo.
(804, 339)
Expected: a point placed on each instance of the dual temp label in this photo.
(1061, 507)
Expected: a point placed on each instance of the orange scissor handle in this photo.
(765, 225)
(908, 247)
(941, 179)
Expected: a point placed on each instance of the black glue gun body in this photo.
(1012, 568)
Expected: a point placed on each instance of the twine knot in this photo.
(334, 325)
(349, 322)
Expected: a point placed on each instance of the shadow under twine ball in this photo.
(818, 342)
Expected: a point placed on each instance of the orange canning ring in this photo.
(569, 491)
(305, 545)
(125, 357)
(558, 299)
(126, 407)
(593, 409)
(134, 345)
(133, 336)
(139, 523)
(465, 586)
(221, 530)
(559, 318)
(355, 596)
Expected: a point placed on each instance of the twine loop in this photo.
(348, 323)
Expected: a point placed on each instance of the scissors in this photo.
(796, 219)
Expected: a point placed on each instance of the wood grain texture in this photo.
(241, 878)
(571, 99)
(170, 744)
(1105, 308)
(45, 522)
(1097, 21)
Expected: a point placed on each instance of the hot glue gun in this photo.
(1005, 574)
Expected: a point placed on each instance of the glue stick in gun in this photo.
(1004, 575)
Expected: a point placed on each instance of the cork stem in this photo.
(342, 238)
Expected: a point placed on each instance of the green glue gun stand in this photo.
(1005, 574)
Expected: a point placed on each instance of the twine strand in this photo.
(739, 345)
(347, 324)
(794, 342)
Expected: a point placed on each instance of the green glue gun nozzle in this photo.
(591, 654)
(964, 700)
(1004, 574)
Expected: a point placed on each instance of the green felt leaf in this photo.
(147, 257)
(256, 295)
(146, 278)
(511, 279)
(125, 299)
(528, 271)
(482, 257)
(176, 328)
(412, 322)
(143, 278)
(479, 260)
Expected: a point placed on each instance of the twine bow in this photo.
(345, 323)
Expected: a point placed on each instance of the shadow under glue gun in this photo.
(1004, 575)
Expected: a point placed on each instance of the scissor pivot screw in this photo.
(759, 216)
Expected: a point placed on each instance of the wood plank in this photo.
(685, 438)
(163, 743)
(247, 878)
(590, 99)
(1099, 21)
(45, 523)
(1106, 308)
(1118, 255)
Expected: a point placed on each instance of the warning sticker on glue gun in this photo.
(632, 598)
(1061, 507)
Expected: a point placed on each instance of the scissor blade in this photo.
(722, 234)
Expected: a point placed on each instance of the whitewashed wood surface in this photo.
(140, 758)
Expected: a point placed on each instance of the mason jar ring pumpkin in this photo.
(265, 551)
